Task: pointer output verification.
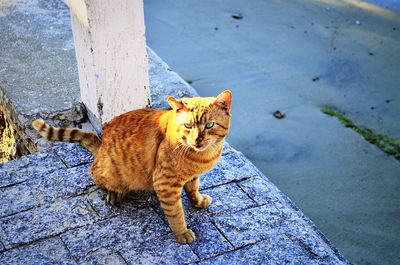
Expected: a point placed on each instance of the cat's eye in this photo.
(187, 125)
(209, 125)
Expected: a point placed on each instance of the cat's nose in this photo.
(199, 139)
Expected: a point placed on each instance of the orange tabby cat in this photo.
(164, 150)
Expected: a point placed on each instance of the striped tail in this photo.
(88, 140)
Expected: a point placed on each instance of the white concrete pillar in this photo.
(110, 48)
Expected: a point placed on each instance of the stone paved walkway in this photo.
(52, 213)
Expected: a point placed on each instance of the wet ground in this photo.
(297, 57)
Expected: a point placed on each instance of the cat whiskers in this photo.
(179, 145)
(183, 149)
(214, 147)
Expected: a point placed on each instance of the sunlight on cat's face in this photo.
(197, 134)
(202, 123)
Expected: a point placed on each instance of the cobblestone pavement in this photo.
(51, 212)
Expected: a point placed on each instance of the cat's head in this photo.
(202, 123)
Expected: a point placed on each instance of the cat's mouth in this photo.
(200, 147)
(197, 147)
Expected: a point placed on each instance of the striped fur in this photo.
(161, 150)
(88, 140)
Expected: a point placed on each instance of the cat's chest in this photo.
(197, 165)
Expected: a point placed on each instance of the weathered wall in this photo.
(111, 53)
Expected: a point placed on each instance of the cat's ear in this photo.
(175, 105)
(224, 100)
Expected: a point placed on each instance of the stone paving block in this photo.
(227, 149)
(49, 251)
(257, 187)
(192, 214)
(228, 198)
(46, 221)
(2, 238)
(230, 167)
(283, 250)
(73, 154)
(297, 231)
(209, 241)
(104, 257)
(62, 184)
(250, 225)
(159, 250)
(131, 203)
(215, 176)
(155, 205)
(225, 198)
(115, 233)
(15, 199)
(276, 249)
(28, 167)
(88, 239)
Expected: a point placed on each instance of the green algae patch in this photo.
(387, 144)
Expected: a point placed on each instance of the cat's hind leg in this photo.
(114, 197)
(109, 180)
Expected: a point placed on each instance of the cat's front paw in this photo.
(205, 201)
(185, 238)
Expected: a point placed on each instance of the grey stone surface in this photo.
(227, 149)
(231, 167)
(89, 239)
(113, 234)
(62, 184)
(209, 241)
(103, 257)
(131, 203)
(28, 167)
(73, 155)
(295, 230)
(228, 198)
(277, 249)
(46, 221)
(251, 225)
(49, 251)
(18, 198)
(159, 250)
(192, 214)
(258, 189)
